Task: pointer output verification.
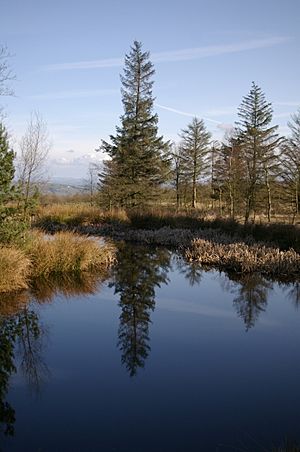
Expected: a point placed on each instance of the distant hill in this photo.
(64, 186)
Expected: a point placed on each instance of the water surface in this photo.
(160, 356)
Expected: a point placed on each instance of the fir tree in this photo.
(136, 149)
(259, 141)
(195, 141)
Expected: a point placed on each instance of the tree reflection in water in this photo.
(7, 367)
(192, 271)
(22, 328)
(251, 295)
(22, 336)
(31, 336)
(293, 293)
(140, 271)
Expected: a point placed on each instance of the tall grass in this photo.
(77, 214)
(15, 268)
(61, 254)
(66, 252)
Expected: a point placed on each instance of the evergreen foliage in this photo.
(259, 141)
(7, 169)
(195, 141)
(11, 224)
(136, 150)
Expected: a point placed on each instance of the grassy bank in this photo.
(86, 218)
(270, 249)
(61, 254)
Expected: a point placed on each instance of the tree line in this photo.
(253, 170)
(243, 175)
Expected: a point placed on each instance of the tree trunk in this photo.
(269, 199)
(194, 193)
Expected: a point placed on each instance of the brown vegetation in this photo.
(75, 214)
(67, 252)
(14, 269)
(242, 258)
(61, 254)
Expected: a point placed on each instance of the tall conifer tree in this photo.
(259, 141)
(195, 141)
(136, 150)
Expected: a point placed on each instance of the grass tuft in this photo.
(14, 269)
(66, 252)
(60, 255)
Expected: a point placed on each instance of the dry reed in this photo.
(243, 258)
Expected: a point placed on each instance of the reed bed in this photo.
(242, 258)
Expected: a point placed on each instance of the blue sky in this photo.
(67, 56)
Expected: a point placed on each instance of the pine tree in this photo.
(259, 141)
(7, 169)
(195, 141)
(136, 150)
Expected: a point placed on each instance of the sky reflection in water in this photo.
(160, 356)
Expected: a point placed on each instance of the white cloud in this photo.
(68, 166)
(82, 160)
(226, 127)
(184, 113)
(175, 55)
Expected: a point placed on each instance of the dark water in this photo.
(162, 356)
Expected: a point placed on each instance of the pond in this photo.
(160, 355)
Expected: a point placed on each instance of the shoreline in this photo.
(208, 247)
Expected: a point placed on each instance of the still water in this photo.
(159, 356)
